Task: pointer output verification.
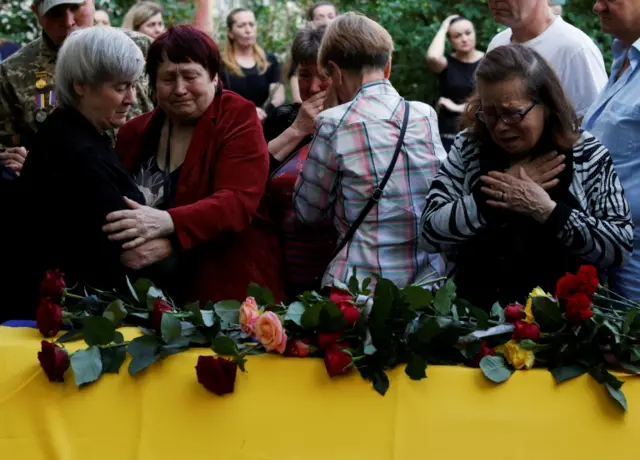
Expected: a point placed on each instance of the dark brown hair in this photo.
(542, 85)
(312, 9)
(306, 44)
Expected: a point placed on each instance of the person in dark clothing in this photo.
(7, 48)
(248, 70)
(72, 177)
(455, 72)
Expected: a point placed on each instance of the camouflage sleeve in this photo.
(9, 134)
(144, 104)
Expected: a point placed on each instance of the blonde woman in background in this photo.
(146, 17)
(248, 70)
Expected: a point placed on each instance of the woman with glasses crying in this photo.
(524, 196)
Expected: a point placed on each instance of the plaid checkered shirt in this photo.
(350, 153)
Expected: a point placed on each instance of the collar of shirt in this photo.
(619, 51)
(376, 88)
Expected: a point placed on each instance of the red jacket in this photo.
(219, 217)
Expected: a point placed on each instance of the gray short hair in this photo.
(95, 56)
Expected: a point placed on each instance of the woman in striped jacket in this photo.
(524, 195)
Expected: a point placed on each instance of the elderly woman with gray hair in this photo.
(72, 179)
(371, 161)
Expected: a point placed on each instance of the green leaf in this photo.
(311, 317)
(497, 312)
(223, 345)
(208, 317)
(98, 330)
(416, 368)
(196, 314)
(86, 365)
(331, 317)
(564, 373)
(494, 368)
(240, 361)
(70, 336)
(262, 295)
(295, 312)
(112, 359)
(628, 320)
(428, 330)
(480, 316)
(145, 351)
(354, 285)
(365, 286)
(380, 381)
(118, 337)
(383, 299)
(630, 368)
(132, 290)
(615, 330)
(229, 312)
(152, 294)
(444, 297)
(115, 312)
(370, 349)
(617, 395)
(141, 288)
(170, 328)
(418, 298)
(547, 313)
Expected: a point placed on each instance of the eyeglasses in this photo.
(508, 117)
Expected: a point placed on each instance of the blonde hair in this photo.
(140, 13)
(229, 54)
(355, 43)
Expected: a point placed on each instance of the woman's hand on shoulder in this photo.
(309, 110)
(138, 225)
(147, 254)
(521, 194)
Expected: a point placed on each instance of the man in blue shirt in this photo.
(614, 118)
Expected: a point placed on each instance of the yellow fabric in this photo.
(289, 409)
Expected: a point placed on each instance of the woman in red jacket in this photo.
(201, 161)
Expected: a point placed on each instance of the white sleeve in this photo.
(583, 76)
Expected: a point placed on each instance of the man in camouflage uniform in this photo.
(27, 79)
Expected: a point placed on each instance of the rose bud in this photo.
(54, 360)
(484, 351)
(218, 375)
(48, 317)
(524, 331)
(160, 307)
(53, 285)
(298, 347)
(339, 296)
(350, 312)
(513, 313)
(337, 361)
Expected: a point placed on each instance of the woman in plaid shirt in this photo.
(352, 149)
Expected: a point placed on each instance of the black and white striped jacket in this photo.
(599, 231)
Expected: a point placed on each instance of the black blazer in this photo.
(71, 180)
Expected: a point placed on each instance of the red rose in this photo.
(484, 351)
(567, 286)
(160, 307)
(53, 285)
(524, 331)
(578, 308)
(218, 375)
(588, 277)
(327, 339)
(513, 313)
(337, 361)
(48, 317)
(54, 360)
(338, 296)
(350, 312)
(298, 347)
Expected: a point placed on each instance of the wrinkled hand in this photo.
(308, 112)
(138, 224)
(543, 170)
(146, 254)
(521, 195)
(262, 115)
(447, 104)
(13, 158)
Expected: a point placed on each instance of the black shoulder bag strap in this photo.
(377, 194)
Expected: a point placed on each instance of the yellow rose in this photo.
(517, 356)
(529, 312)
(539, 292)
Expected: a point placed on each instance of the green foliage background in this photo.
(412, 24)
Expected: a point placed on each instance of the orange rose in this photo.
(249, 314)
(269, 332)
